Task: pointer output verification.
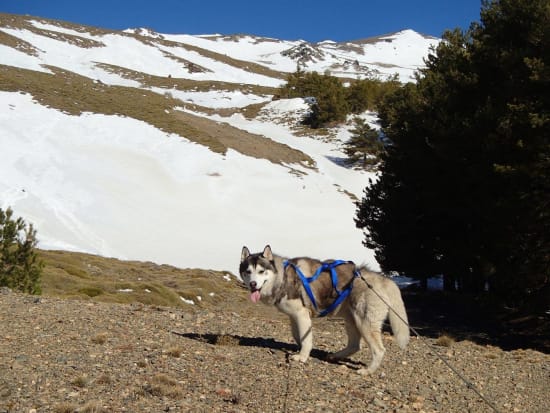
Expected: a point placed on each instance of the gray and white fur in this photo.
(364, 310)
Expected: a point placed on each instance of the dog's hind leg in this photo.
(354, 340)
(372, 333)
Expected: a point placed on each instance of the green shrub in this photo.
(334, 100)
(20, 268)
(91, 291)
(329, 92)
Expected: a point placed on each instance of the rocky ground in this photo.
(60, 355)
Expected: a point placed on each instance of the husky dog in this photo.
(280, 282)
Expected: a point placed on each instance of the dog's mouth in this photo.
(255, 294)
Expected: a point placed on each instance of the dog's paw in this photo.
(365, 372)
(299, 357)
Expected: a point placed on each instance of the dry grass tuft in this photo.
(445, 341)
(80, 381)
(163, 385)
(228, 395)
(104, 379)
(92, 407)
(174, 351)
(226, 340)
(65, 408)
(100, 338)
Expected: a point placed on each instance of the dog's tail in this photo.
(398, 315)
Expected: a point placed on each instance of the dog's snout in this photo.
(253, 285)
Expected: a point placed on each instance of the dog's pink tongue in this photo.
(255, 296)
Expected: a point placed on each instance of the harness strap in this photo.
(305, 281)
(325, 266)
(341, 297)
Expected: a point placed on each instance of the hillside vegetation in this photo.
(90, 277)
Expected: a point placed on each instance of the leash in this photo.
(325, 267)
(467, 382)
(287, 390)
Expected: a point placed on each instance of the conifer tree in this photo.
(465, 190)
(328, 91)
(364, 144)
(366, 94)
(334, 101)
(20, 268)
(331, 103)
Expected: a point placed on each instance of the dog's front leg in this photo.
(301, 330)
(295, 333)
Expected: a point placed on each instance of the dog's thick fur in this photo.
(363, 311)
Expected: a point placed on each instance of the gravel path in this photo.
(80, 356)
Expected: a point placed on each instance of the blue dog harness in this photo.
(325, 267)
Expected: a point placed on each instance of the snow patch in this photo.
(186, 301)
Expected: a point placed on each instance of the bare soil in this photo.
(62, 355)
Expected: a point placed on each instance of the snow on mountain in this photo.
(400, 53)
(131, 53)
(120, 187)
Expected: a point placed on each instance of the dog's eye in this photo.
(248, 272)
(261, 271)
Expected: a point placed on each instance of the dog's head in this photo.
(256, 270)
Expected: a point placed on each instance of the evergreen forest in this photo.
(464, 189)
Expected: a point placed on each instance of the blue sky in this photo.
(312, 20)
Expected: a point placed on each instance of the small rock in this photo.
(342, 368)
(440, 379)
(378, 403)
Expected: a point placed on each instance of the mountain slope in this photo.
(168, 148)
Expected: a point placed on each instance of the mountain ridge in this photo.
(359, 48)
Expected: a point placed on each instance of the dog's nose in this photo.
(253, 285)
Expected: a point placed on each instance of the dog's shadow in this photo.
(261, 342)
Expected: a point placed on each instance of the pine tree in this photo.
(329, 92)
(331, 103)
(513, 64)
(334, 101)
(465, 190)
(366, 94)
(20, 268)
(364, 144)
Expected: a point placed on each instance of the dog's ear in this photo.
(267, 254)
(245, 253)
